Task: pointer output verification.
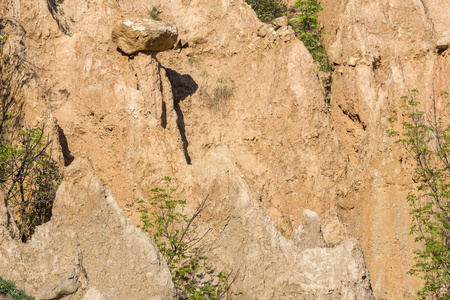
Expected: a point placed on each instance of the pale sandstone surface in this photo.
(89, 247)
(275, 121)
(270, 265)
(381, 50)
(111, 108)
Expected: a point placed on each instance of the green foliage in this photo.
(309, 31)
(176, 236)
(427, 140)
(305, 25)
(8, 288)
(154, 13)
(28, 175)
(267, 10)
(3, 37)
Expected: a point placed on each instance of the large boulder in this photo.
(133, 35)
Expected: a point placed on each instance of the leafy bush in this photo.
(305, 24)
(176, 235)
(427, 140)
(267, 10)
(309, 31)
(8, 288)
(28, 175)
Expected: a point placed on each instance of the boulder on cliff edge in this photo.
(134, 35)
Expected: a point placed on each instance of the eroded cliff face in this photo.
(382, 50)
(242, 118)
(89, 250)
(235, 115)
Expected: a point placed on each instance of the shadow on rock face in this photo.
(183, 86)
(68, 157)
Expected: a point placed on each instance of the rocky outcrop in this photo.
(246, 241)
(278, 30)
(443, 44)
(66, 286)
(381, 51)
(133, 35)
(309, 234)
(88, 247)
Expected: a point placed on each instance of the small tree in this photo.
(177, 238)
(28, 175)
(309, 31)
(427, 140)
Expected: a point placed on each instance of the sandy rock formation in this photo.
(258, 97)
(280, 22)
(246, 241)
(291, 163)
(88, 248)
(309, 233)
(381, 50)
(246, 93)
(133, 35)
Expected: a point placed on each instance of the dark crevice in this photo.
(327, 83)
(376, 63)
(441, 51)
(164, 116)
(68, 157)
(52, 6)
(354, 117)
(182, 87)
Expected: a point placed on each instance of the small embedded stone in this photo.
(280, 22)
(442, 44)
(264, 30)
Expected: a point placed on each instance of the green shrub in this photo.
(8, 288)
(309, 31)
(305, 24)
(29, 176)
(267, 10)
(176, 236)
(427, 140)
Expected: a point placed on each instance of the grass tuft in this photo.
(9, 289)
